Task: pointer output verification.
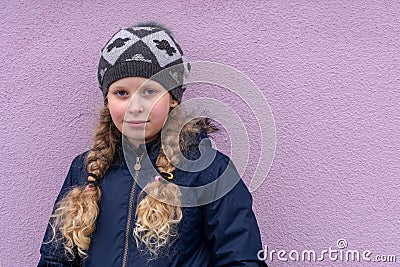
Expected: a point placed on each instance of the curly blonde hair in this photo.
(156, 220)
(76, 213)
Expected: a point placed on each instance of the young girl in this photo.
(128, 201)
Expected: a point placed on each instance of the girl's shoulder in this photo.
(209, 165)
(79, 162)
(78, 169)
(209, 179)
(220, 164)
(201, 162)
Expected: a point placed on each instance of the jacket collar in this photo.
(201, 128)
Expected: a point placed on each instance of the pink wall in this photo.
(330, 73)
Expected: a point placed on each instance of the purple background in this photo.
(330, 72)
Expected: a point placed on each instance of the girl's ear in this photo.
(174, 103)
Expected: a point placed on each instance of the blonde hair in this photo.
(76, 213)
(156, 220)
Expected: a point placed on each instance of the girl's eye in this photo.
(149, 91)
(121, 93)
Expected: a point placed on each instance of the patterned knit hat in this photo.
(146, 50)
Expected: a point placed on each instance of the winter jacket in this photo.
(221, 233)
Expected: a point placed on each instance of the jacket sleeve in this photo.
(231, 230)
(52, 250)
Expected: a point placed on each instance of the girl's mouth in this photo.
(136, 124)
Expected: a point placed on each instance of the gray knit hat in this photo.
(146, 50)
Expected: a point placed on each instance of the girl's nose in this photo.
(135, 105)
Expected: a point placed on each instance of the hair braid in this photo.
(156, 220)
(76, 213)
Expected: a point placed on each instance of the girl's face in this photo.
(139, 107)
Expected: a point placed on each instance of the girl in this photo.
(125, 202)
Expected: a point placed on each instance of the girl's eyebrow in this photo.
(150, 83)
(117, 87)
(147, 86)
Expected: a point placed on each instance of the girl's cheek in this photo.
(117, 113)
(121, 109)
(160, 109)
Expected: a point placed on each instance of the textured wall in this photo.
(330, 73)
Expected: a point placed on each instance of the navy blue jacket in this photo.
(221, 233)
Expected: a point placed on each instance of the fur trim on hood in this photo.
(196, 130)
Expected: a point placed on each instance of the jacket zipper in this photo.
(137, 168)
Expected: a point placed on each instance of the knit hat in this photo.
(146, 50)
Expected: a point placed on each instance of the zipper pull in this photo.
(137, 165)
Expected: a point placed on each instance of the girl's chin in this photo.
(136, 136)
